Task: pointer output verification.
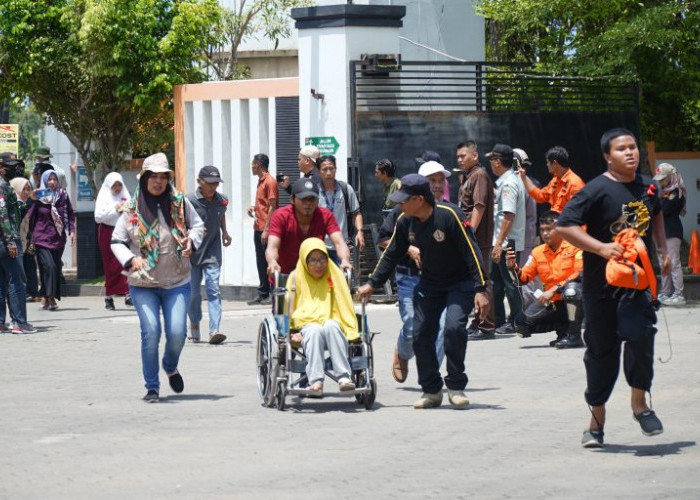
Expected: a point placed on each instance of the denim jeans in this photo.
(211, 273)
(405, 284)
(148, 303)
(12, 277)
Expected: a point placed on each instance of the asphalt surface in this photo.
(74, 425)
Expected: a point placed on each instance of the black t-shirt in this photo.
(604, 206)
(386, 231)
(448, 249)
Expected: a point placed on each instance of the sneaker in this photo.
(151, 396)
(216, 338)
(522, 331)
(428, 400)
(109, 304)
(259, 300)
(649, 422)
(176, 382)
(476, 334)
(22, 328)
(128, 301)
(4, 328)
(457, 399)
(505, 329)
(675, 300)
(662, 298)
(592, 438)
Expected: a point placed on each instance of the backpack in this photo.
(633, 270)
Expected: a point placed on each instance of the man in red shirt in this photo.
(294, 223)
(265, 204)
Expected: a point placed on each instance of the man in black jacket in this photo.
(452, 277)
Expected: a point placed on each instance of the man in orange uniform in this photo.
(558, 307)
(563, 186)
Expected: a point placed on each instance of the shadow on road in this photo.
(648, 450)
(176, 398)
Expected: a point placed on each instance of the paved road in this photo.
(74, 426)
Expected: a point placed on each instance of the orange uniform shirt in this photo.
(553, 267)
(559, 190)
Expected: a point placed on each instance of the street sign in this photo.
(84, 185)
(326, 145)
(9, 135)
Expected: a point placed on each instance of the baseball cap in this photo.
(210, 174)
(432, 167)
(428, 155)
(304, 188)
(501, 151)
(412, 185)
(310, 151)
(664, 170)
(5, 157)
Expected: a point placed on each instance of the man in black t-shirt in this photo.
(452, 276)
(617, 199)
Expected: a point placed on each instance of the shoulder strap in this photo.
(344, 189)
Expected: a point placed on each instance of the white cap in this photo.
(521, 154)
(310, 151)
(432, 167)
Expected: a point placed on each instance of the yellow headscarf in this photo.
(318, 300)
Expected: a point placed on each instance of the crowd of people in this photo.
(449, 260)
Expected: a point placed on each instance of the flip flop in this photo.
(216, 338)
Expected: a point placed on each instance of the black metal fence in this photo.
(398, 113)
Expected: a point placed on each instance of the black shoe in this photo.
(128, 301)
(569, 343)
(476, 334)
(260, 300)
(151, 396)
(176, 382)
(649, 422)
(109, 304)
(505, 329)
(592, 438)
(522, 331)
(553, 343)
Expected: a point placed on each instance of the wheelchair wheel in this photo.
(370, 398)
(268, 363)
(281, 395)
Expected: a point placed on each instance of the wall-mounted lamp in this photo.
(316, 95)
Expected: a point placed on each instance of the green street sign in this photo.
(326, 145)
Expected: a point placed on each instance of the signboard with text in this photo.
(326, 145)
(9, 138)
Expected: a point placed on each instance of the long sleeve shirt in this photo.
(449, 253)
(9, 213)
(558, 191)
(554, 267)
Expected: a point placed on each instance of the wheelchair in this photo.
(282, 364)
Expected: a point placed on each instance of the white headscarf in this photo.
(105, 211)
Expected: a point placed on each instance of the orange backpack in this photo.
(625, 272)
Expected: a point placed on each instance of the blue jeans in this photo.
(211, 280)
(148, 303)
(405, 284)
(12, 277)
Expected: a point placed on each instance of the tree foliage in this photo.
(99, 68)
(268, 18)
(653, 43)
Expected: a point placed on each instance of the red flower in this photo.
(330, 282)
(224, 202)
(652, 190)
(134, 218)
(466, 223)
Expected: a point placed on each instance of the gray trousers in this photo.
(673, 247)
(316, 339)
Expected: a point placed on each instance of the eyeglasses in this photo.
(317, 262)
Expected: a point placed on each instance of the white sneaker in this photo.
(676, 300)
(662, 298)
(457, 398)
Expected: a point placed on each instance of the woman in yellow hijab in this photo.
(322, 314)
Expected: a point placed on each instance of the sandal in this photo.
(315, 390)
(346, 385)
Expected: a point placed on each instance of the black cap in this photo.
(501, 151)
(5, 157)
(305, 188)
(412, 185)
(428, 155)
(210, 174)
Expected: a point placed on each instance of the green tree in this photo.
(267, 18)
(653, 43)
(31, 124)
(98, 68)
